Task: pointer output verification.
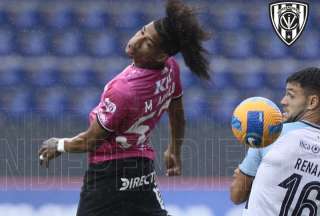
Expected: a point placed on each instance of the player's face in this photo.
(144, 46)
(294, 102)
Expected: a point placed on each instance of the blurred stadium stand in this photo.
(40, 39)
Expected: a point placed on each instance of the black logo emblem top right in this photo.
(288, 19)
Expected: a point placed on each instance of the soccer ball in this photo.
(256, 122)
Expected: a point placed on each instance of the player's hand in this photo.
(236, 172)
(48, 151)
(173, 163)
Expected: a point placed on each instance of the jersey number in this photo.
(292, 184)
(136, 128)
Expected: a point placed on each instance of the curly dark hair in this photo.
(183, 33)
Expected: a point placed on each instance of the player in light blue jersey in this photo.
(245, 173)
(287, 181)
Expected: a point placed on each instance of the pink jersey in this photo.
(130, 107)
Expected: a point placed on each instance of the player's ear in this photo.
(313, 101)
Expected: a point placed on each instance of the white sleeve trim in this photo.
(102, 125)
(176, 97)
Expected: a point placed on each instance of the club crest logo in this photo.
(288, 19)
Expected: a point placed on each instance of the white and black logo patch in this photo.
(110, 106)
(288, 19)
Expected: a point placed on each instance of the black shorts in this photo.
(123, 187)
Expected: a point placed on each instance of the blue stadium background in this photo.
(56, 56)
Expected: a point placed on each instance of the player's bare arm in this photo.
(172, 155)
(240, 187)
(83, 142)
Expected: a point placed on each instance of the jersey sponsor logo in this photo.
(288, 19)
(130, 183)
(312, 148)
(110, 106)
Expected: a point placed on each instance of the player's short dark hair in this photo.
(181, 32)
(308, 78)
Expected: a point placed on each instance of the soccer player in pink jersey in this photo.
(121, 177)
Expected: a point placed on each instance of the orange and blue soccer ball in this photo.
(256, 122)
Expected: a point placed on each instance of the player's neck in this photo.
(312, 117)
(151, 66)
